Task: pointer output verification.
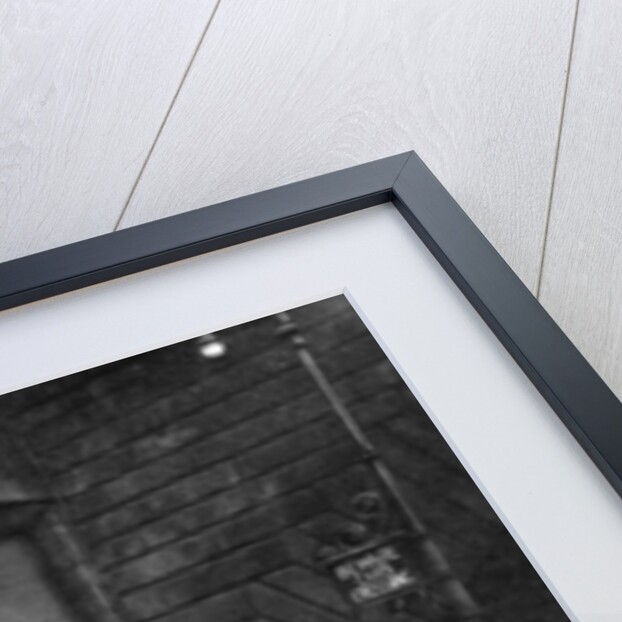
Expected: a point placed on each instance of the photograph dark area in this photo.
(277, 471)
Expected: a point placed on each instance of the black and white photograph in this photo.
(276, 471)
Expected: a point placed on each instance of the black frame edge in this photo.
(573, 389)
(88, 262)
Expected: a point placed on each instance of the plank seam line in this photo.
(279, 498)
(207, 526)
(210, 496)
(205, 436)
(225, 556)
(547, 218)
(323, 412)
(147, 403)
(143, 494)
(166, 115)
(186, 412)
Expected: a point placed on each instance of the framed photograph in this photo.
(329, 401)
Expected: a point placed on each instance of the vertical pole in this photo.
(452, 589)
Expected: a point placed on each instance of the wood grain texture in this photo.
(582, 275)
(84, 87)
(280, 92)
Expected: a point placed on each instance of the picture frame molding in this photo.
(565, 379)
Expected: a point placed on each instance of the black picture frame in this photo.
(581, 399)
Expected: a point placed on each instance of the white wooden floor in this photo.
(116, 113)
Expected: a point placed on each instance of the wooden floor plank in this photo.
(582, 275)
(279, 92)
(84, 87)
